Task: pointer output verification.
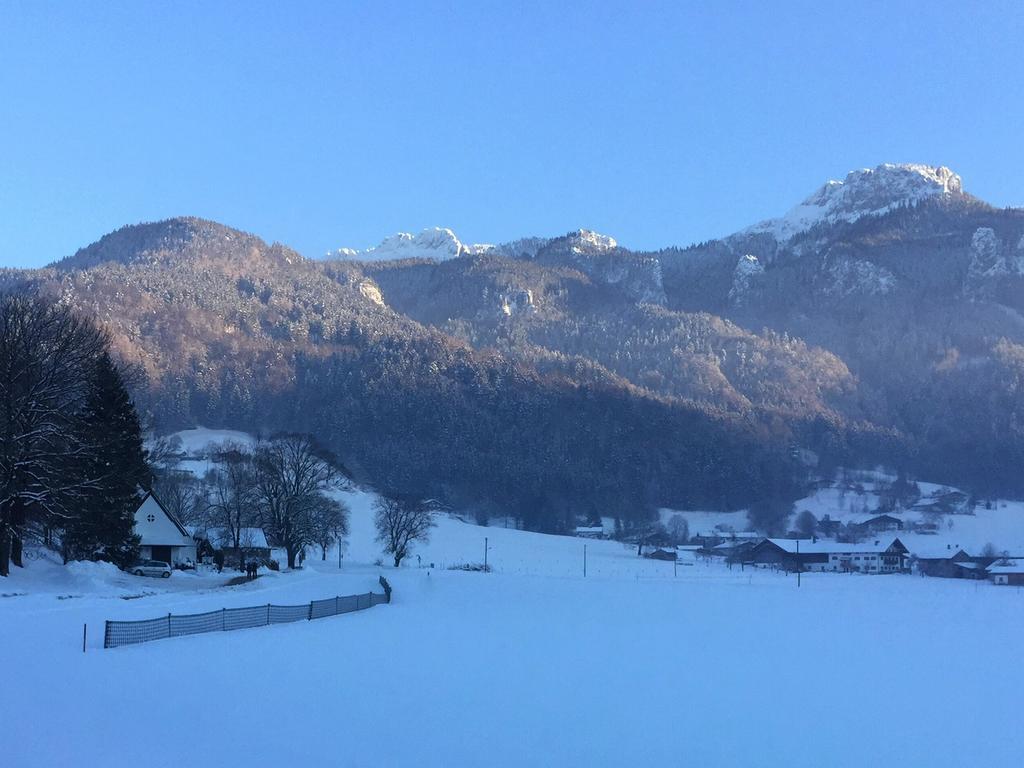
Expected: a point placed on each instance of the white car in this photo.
(151, 568)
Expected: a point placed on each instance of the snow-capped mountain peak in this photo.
(587, 240)
(438, 243)
(866, 192)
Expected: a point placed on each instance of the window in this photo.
(150, 518)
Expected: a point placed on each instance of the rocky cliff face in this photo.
(599, 257)
(437, 243)
(748, 269)
(992, 261)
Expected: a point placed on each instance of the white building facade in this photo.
(162, 537)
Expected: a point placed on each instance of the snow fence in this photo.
(118, 633)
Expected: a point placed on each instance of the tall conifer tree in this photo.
(117, 466)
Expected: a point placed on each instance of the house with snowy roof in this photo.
(161, 536)
(880, 524)
(1010, 572)
(950, 562)
(878, 556)
(219, 544)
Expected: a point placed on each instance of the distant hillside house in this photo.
(880, 524)
(661, 554)
(162, 537)
(881, 556)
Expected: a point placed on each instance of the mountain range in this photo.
(878, 321)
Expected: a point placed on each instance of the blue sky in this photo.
(335, 124)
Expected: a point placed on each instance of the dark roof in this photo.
(885, 516)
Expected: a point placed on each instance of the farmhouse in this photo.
(161, 536)
(1010, 572)
(879, 556)
(734, 550)
(950, 563)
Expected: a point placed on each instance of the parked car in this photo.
(151, 568)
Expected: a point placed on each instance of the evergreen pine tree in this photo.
(118, 468)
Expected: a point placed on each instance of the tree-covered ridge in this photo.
(259, 338)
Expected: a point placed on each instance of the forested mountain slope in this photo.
(879, 321)
(229, 331)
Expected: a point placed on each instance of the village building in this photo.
(734, 550)
(252, 545)
(660, 553)
(828, 527)
(879, 556)
(880, 524)
(950, 562)
(1008, 572)
(218, 545)
(161, 536)
(710, 539)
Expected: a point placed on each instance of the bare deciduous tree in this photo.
(679, 529)
(46, 356)
(400, 523)
(233, 498)
(292, 475)
(181, 494)
(330, 524)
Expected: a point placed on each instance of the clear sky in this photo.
(323, 125)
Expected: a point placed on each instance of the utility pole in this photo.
(799, 566)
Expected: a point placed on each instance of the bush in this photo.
(470, 567)
(273, 565)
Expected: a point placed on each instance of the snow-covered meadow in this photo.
(530, 665)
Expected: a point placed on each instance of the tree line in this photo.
(71, 450)
(282, 486)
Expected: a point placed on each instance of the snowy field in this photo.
(531, 665)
